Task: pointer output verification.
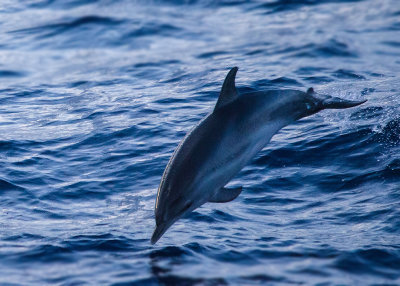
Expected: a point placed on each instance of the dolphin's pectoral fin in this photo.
(225, 195)
(228, 91)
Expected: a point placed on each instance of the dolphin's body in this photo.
(214, 151)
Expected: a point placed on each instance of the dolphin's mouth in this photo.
(159, 231)
(162, 227)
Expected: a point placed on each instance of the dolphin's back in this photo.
(189, 157)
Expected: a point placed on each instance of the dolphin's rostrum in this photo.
(213, 152)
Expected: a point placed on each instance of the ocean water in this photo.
(96, 95)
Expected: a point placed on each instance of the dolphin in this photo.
(221, 144)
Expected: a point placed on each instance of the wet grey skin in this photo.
(215, 150)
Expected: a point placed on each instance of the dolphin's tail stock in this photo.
(331, 102)
(339, 103)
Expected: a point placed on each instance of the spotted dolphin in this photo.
(218, 147)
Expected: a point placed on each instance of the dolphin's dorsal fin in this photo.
(225, 195)
(228, 91)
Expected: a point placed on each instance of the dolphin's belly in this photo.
(234, 151)
(214, 152)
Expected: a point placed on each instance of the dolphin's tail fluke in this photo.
(339, 103)
(158, 232)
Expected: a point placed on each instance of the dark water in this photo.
(95, 96)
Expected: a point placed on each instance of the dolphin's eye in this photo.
(308, 106)
(186, 207)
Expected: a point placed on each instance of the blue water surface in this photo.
(96, 95)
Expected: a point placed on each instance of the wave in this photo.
(287, 5)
